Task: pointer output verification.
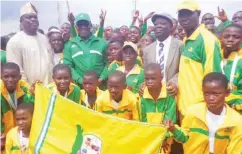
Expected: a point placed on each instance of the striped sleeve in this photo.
(212, 55)
(7, 117)
(235, 97)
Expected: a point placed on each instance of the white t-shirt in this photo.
(115, 104)
(57, 58)
(24, 142)
(214, 122)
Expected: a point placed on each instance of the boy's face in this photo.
(57, 42)
(214, 95)
(237, 18)
(89, 84)
(114, 50)
(23, 120)
(129, 55)
(147, 40)
(62, 79)
(231, 38)
(10, 78)
(181, 33)
(66, 31)
(124, 30)
(134, 35)
(116, 87)
(108, 31)
(152, 79)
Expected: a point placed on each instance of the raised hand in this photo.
(150, 29)
(102, 17)
(136, 14)
(148, 16)
(141, 21)
(222, 15)
(71, 18)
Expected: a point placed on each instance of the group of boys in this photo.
(213, 126)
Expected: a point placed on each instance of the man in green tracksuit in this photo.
(85, 52)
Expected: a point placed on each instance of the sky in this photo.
(119, 12)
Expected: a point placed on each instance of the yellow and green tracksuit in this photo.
(135, 78)
(114, 65)
(156, 112)
(235, 97)
(12, 145)
(84, 98)
(74, 92)
(194, 132)
(84, 55)
(139, 60)
(127, 108)
(200, 55)
(7, 112)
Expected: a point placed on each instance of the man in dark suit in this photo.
(166, 51)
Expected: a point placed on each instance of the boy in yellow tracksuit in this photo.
(18, 138)
(231, 64)
(90, 92)
(156, 105)
(14, 91)
(62, 83)
(210, 127)
(117, 100)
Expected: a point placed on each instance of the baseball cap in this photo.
(191, 5)
(132, 45)
(162, 15)
(82, 16)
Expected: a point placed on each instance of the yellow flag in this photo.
(61, 126)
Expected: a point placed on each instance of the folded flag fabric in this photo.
(61, 126)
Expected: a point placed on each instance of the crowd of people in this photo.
(179, 73)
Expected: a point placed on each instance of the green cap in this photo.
(82, 16)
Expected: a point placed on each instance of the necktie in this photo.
(161, 55)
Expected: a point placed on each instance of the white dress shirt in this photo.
(166, 49)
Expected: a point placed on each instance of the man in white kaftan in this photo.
(30, 49)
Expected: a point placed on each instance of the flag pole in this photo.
(58, 13)
(68, 7)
